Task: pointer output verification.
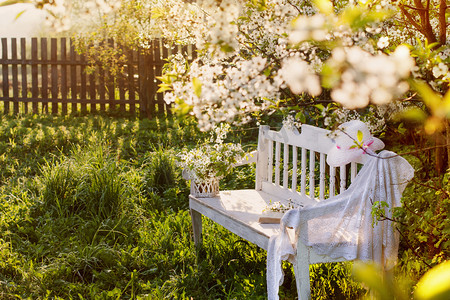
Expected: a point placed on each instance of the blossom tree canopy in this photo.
(255, 55)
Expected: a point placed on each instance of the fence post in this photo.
(73, 77)
(54, 74)
(64, 75)
(24, 74)
(142, 71)
(34, 75)
(44, 73)
(5, 75)
(15, 75)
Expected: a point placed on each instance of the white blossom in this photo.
(383, 42)
(440, 70)
(299, 77)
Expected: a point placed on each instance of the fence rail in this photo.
(46, 74)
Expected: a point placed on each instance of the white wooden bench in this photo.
(289, 165)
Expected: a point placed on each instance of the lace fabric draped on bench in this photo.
(343, 226)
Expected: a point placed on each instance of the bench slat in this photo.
(312, 167)
(343, 178)
(270, 163)
(294, 168)
(285, 166)
(332, 181)
(303, 175)
(277, 162)
(322, 177)
(353, 170)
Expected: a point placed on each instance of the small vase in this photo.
(205, 189)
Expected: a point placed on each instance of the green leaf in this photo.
(197, 86)
(163, 87)
(413, 114)
(324, 6)
(360, 136)
(320, 107)
(11, 2)
(431, 99)
(434, 285)
(19, 14)
(371, 276)
(301, 117)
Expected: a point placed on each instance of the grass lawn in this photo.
(94, 207)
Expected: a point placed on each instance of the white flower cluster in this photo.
(226, 91)
(369, 78)
(299, 76)
(64, 15)
(268, 50)
(291, 123)
(211, 160)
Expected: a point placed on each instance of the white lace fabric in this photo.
(343, 226)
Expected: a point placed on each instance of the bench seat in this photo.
(239, 211)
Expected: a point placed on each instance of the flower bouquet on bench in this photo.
(209, 162)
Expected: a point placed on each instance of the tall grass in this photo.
(94, 207)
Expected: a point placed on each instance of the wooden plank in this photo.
(142, 85)
(44, 74)
(312, 174)
(353, 171)
(303, 175)
(241, 219)
(121, 85)
(54, 74)
(73, 77)
(15, 76)
(285, 165)
(322, 177)
(294, 168)
(111, 86)
(277, 162)
(270, 163)
(311, 138)
(151, 81)
(83, 87)
(332, 181)
(34, 74)
(101, 90)
(93, 90)
(131, 84)
(63, 67)
(5, 75)
(343, 178)
(24, 74)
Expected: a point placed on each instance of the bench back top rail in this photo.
(292, 164)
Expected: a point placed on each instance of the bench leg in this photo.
(197, 226)
(301, 270)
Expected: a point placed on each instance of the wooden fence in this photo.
(47, 75)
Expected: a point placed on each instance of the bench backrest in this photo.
(293, 165)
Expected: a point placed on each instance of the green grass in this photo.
(94, 207)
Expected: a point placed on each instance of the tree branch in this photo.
(411, 19)
(442, 22)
